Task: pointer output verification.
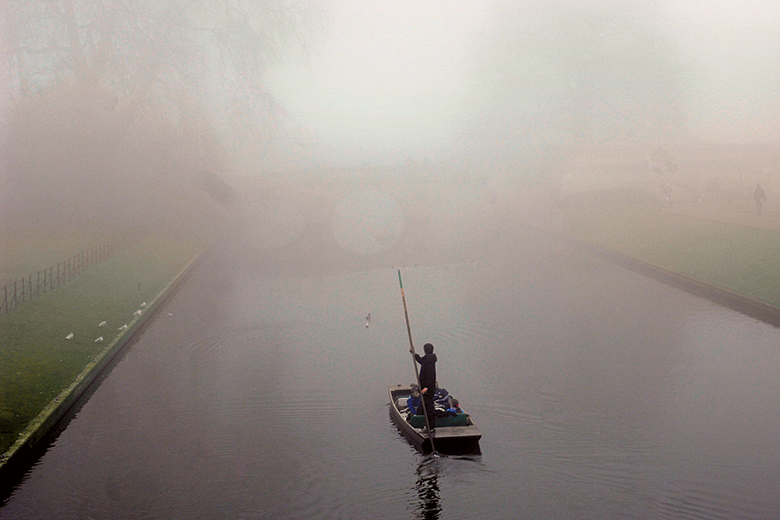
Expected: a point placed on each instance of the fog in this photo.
(414, 79)
(146, 112)
(327, 141)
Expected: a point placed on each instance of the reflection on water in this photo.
(428, 489)
(599, 394)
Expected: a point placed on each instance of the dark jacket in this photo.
(427, 371)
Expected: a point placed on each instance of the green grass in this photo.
(37, 362)
(740, 258)
(29, 252)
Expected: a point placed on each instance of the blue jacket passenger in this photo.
(414, 404)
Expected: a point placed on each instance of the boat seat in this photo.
(461, 419)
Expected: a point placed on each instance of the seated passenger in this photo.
(441, 396)
(413, 403)
(455, 406)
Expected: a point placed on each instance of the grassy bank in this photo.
(740, 258)
(29, 252)
(37, 361)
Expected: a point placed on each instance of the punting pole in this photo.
(414, 362)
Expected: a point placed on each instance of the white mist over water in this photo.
(367, 222)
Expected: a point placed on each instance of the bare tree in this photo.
(110, 95)
(137, 49)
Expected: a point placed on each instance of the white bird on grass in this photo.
(137, 313)
(69, 336)
(102, 324)
(123, 327)
(98, 340)
(143, 305)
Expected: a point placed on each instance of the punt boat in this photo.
(452, 434)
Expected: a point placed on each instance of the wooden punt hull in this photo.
(446, 439)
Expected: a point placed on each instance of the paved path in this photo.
(741, 212)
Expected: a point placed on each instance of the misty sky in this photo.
(398, 76)
(388, 75)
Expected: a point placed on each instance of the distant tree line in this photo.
(116, 100)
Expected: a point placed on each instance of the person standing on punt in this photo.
(427, 379)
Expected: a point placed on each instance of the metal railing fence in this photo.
(26, 289)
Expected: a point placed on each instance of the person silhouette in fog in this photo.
(759, 196)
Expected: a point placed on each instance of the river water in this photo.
(599, 393)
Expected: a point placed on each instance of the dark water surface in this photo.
(599, 393)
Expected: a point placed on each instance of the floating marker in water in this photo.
(69, 336)
(98, 340)
(102, 324)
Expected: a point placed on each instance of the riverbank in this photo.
(45, 369)
(720, 244)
